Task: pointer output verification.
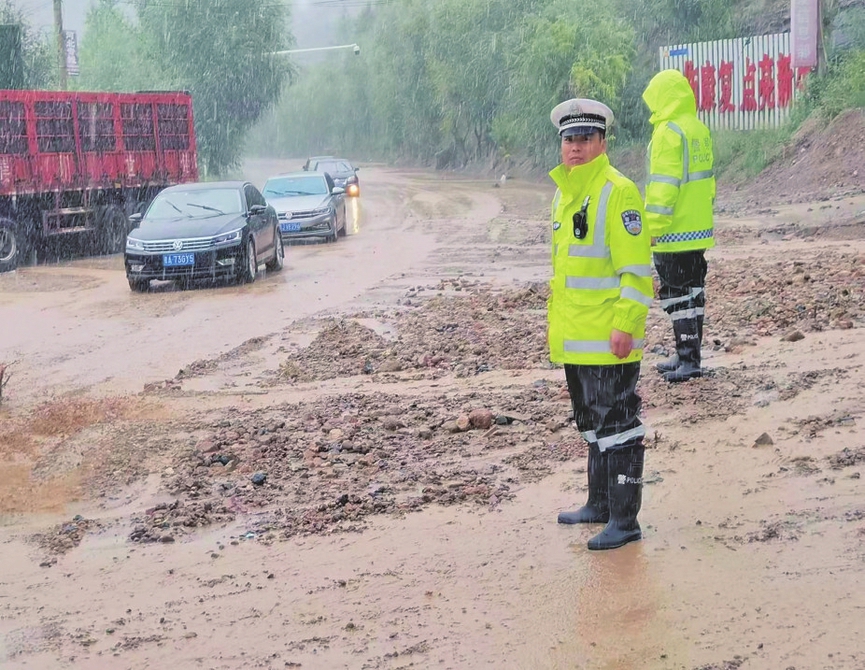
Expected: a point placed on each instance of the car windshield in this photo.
(333, 167)
(195, 203)
(281, 187)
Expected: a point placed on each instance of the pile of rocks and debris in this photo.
(325, 465)
(65, 536)
(480, 330)
(820, 290)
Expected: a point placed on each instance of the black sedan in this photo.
(308, 204)
(344, 174)
(203, 231)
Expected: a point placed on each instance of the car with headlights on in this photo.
(203, 231)
(307, 204)
(344, 174)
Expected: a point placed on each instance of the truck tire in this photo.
(112, 230)
(9, 245)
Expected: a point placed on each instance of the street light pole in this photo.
(355, 47)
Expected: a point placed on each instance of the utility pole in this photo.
(61, 41)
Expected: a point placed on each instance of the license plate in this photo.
(178, 260)
(289, 227)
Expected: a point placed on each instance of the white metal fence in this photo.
(742, 83)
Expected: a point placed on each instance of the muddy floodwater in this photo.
(358, 462)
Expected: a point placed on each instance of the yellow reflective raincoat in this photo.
(680, 191)
(603, 280)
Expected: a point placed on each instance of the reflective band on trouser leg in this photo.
(590, 436)
(691, 313)
(670, 302)
(611, 441)
(595, 346)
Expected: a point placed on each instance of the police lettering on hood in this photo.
(600, 295)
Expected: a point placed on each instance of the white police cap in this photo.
(581, 116)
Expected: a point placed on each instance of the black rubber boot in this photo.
(668, 365)
(687, 332)
(625, 481)
(596, 509)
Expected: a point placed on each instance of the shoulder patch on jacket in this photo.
(633, 221)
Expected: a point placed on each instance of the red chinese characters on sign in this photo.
(725, 80)
(693, 76)
(785, 81)
(767, 83)
(749, 88)
(707, 87)
(757, 86)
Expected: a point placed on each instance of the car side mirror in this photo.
(338, 190)
(135, 219)
(257, 209)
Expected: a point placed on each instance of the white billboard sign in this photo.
(742, 83)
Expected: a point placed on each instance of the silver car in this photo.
(307, 204)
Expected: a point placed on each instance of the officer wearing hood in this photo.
(680, 194)
(600, 296)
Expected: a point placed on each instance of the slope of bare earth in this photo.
(823, 161)
(357, 463)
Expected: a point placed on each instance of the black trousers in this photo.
(606, 404)
(683, 281)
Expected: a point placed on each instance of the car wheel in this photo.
(278, 261)
(8, 246)
(334, 231)
(344, 230)
(139, 285)
(250, 264)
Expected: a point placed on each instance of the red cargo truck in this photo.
(76, 165)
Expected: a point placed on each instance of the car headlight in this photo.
(132, 243)
(233, 236)
(323, 210)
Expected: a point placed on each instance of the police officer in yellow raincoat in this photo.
(600, 295)
(680, 195)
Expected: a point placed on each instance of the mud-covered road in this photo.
(358, 462)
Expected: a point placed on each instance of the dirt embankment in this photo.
(821, 162)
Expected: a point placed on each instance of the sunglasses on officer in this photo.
(581, 220)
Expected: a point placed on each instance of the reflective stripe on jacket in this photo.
(680, 191)
(604, 280)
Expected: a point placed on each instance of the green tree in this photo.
(571, 48)
(38, 54)
(219, 50)
(110, 57)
